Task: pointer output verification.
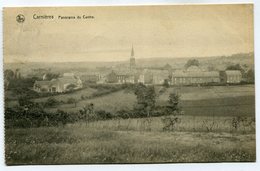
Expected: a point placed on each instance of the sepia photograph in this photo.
(142, 84)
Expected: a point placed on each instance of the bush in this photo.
(124, 114)
(50, 102)
(71, 100)
(35, 116)
(23, 101)
(103, 115)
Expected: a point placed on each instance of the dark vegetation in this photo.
(31, 114)
(192, 62)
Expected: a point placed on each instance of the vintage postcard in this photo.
(129, 84)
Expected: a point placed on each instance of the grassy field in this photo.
(213, 100)
(218, 101)
(128, 141)
(210, 92)
(87, 92)
(205, 133)
(111, 103)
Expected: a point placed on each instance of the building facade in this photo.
(198, 77)
(231, 76)
(66, 83)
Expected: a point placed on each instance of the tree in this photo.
(17, 74)
(71, 101)
(51, 102)
(88, 112)
(234, 67)
(140, 93)
(8, 74)
(174, 102)
(250, 75)
(24, 101)
(171, 119)
(145, 98)
(150, 99)
(192, 62)
(166, 83)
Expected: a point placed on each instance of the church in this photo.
(125, 75)
(133, 74)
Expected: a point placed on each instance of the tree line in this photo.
(32, 114)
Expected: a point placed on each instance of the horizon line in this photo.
(135, 59)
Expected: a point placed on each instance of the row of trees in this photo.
(31, 114)
(10, 74)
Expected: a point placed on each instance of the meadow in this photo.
(213, 101)
(111, 103)
(131, 141)
(87, 92)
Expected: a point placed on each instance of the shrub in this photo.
(23, 101)
(169, 122)
(124, 114)
(50, 102)
(71, 100)
(103, 115)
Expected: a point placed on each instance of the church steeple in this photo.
(132, 59)
(132, 52)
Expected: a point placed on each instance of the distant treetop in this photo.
(192, 62)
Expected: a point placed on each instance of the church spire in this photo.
(132, 52)
(132, 59)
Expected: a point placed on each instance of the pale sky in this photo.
(154, 31)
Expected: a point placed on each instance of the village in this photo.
(192, 75)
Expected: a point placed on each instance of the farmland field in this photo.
(120, 100)
(217, 100)
(128, 141)
(87, 92)
(64, 97)
(209, 92)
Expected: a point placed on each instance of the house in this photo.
(231, 76)
(120, 77)
(44, 86)
(111, 77)
(125, 76)
(196, 77)
(145, 77)
(66, 83)
(160, 76)
(194, 68)
(90, 77)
